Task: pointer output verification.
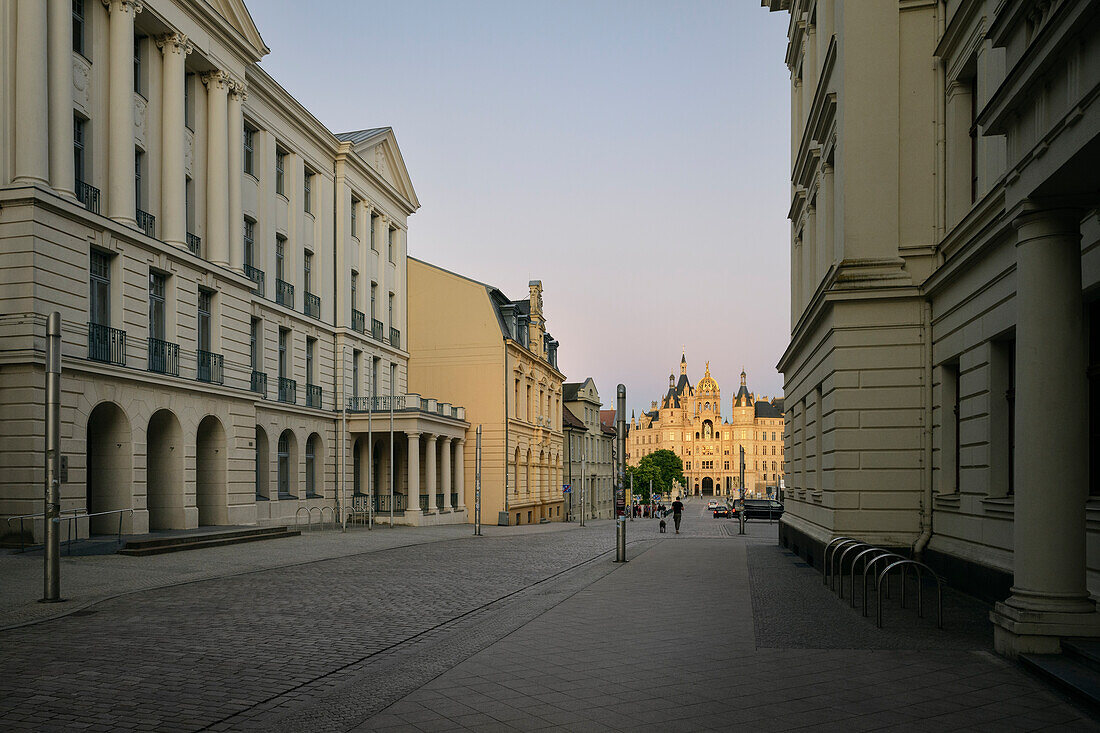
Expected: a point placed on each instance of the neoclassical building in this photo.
(688, 421)
(495, 356)
(943, 373)
(230, 275)
(589, 446)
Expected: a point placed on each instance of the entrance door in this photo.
(708, 486)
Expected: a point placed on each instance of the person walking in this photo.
(677, 513)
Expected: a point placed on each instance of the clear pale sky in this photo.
(633, 155)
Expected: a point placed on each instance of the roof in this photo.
(607, 417)
(569, 391)
(778, 402)
(684, 383)
(766, 409)
(358, 136)
(608, 430)
(671, 399)
(569, 421)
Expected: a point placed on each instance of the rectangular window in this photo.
(1010, 398)
(280, 247)
(249, 138)
(307, 185)
(389, 244)
(389, 312)
(373, 296)
(138, 86)
(188, 103)
(354, 290)
(78, 148)
(376, 366)
(373, 244)
(78, 26)
(974, 139)
(280, 164)
(189, 203)
(356, 357)
(1002, 376)
(139, 163)
(158, 287)
(204, 319)
(354, 217)
(1093, 373)
(250, 242)
(99, 289)
(307, 268)
(255, 344)
(311, 348)
(284, 339)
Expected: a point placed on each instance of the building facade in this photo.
(211, 247)
(588, 452)
(495, 356)
(943, 374)
(688, 421)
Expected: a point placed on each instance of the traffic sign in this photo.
(565, 488)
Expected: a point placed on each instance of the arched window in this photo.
(284, 467)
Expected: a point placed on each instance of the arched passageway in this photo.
(708, 486)
(210, 489)
(164, 471)
(109, 467)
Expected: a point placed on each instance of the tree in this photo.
(663, 466)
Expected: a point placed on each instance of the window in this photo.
(138, 86)
(376, 365)
(249, 137)
(280, 163)
(307, 268)
(158, 287)
(280, 249)
(99, 289)
(354, 290)
(189, 204)
(204, 320)
(373, 244)
(307, 185)
(284, 464)
(356, 357)
(79, 126)
(78, 26)
(311, 479)
(373, 294)
(139, 164)
(188, 103)
(255, 344)
(354, 217)
(389, 244)
(1093, 373)
(284, 338)
(250, 242)
(390, 310)
(311, 348)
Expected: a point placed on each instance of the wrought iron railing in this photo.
(288, 390)
(439, 501)
(381, 402)
(257, 277)
(358, 321)
(454, 499)
(259, 383)
(194, 243)
(312, 305)
(211, 367)
(106, 344)
(313, 395)
(423, 503)
(284, 293)
(381, 503)
(164, 357)
(376, 328)
(88, 195)
(395, 338)
(147, 222)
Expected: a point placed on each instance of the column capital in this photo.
(126, 6)
(445, 439)
(412, 434)
(216, 80)
(1038, 223)
(174, 43)
(238, 90)
(461, 441)
(431, 437)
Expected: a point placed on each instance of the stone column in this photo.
(445, 471)
(958, 173)
(460, 474)
(121, 200)
(32, 163)
(381, 223)
(237, 95)
(217, 180)
(412, 503)
(173, 195)
(429, 471)
(1049, 598)
(61, 97)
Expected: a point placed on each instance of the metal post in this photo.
(370, 446)
(631, 497)
(477, 483)
(620, 474)
(344, 438)
(584, 468)
(52, 515)
(393, 375)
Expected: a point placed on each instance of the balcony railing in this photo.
(312, 305)
(106, 344)
(284, 293)
(88, 195)
(256, 276)
(259, 383)
(194, 244)
(358, 321)
(454, 500)
(147, 222)
(381, 503)
(423, 503)
(439, 501)
(210, 367)
(395, 338)
(313, 395)
(381, 402)
(376, 328)
(288, 390)
(164, 357)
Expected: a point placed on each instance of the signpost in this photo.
(477, 484)
(620, 474)
(51, 555)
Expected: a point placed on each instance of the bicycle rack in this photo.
(869, 572)
(825, 557)
(332, 514)
(843, 553)
(866, 563)
(309, 517)
(833, 559)
(917, 568)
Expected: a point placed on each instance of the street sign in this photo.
(565, 488)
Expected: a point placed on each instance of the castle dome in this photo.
(707, 386)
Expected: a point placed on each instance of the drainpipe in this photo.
(507, 450)
(926, 434)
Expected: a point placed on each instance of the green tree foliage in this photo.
(664, 467)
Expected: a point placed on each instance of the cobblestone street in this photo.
(525, 628)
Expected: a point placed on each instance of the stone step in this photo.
(1066, 673)
(1085, 651)
(179, 543)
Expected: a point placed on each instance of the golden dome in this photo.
(707, 385)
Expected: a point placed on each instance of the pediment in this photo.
(378, 149)
(236, 14)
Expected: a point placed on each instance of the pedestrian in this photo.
(677, 513)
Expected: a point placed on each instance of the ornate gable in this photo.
(377, 147)
(236, 14)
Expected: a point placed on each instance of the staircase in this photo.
(1075, 671)
(197, 541)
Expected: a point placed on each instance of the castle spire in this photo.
(684, 363)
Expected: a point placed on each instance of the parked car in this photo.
(762, 509)
(723, 511)
(711, 504)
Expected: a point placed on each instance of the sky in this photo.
(633, 155)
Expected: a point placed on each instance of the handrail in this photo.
(917, 567)
(118, 537)
(21, 517)
(73, 514)
(825, 558)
